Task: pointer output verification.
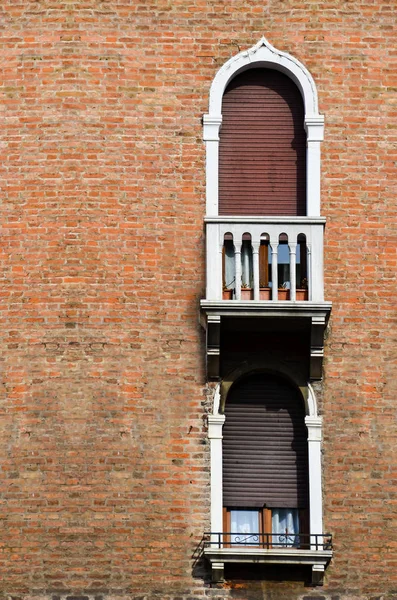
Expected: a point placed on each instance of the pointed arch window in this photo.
(265, 461)
(286, 76)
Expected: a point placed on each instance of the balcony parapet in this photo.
(269, 230)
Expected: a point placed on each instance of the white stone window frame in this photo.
(313, 423)
(264, 55)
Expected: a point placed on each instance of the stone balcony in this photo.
(265, 267)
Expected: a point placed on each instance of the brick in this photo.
(102, 262)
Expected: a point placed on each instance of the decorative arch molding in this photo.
(313, 423)
(278, 369)
(311, 402)
(264, 55)
(222, 388)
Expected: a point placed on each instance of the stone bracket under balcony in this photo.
(212, 312)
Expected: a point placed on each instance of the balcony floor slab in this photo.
(213, 311)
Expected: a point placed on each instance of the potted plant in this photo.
(246, 292)
(227, 294)
(264, 292)
(283, 292)
(302, 293)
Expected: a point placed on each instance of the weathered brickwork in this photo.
(103, 448)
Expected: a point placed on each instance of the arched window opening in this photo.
(246, 268)
(265, 464)
(302, 276)
(283, 267)
(264, 267)
(228, 267)
(262, 150)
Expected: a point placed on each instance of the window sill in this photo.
(262, 308)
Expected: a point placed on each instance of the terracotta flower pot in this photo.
(302, 294)
(227, 295)
(265, 293)
(246, 293)
(283, 294)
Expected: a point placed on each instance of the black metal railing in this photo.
(302, 541)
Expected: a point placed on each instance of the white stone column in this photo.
(292, 269)
(212, 125)
(314, 125)
(215, 424)
(274, 249)
(314, 429)
(255, 261)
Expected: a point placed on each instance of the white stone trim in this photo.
(269, 556)
(215, 425)
(217, 400)
(264, 55)
(311, 402)
(314, 430)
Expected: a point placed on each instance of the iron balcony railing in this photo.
(268, 541)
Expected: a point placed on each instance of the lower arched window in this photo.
(265, 464)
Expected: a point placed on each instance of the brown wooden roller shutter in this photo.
(265, 459)
(262, 152)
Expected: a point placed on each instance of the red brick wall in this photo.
(103, 453)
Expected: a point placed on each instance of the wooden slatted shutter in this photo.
(265, 460)
(262, 152)
(263, 265)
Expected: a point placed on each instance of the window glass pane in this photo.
(244, 526)
(285, 523)
(283, 254)
(283, 269)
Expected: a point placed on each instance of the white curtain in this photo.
(246, 264)
(244, 527)
(283, 258)
(230, 268)
(285, 523)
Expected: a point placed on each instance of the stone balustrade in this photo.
(293, 245)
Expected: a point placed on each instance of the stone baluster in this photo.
(255, 260)
(274, 249)
(309, 272)
(292, 269)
